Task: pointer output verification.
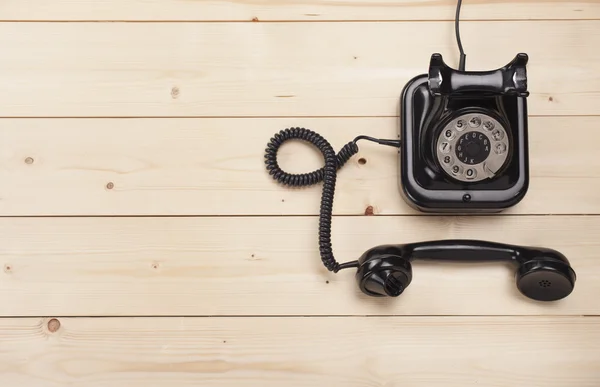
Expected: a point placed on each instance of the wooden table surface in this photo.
(143, 244)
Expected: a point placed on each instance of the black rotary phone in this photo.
(463, 149)
(464, 138)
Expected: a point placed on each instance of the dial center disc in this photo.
(472, 148)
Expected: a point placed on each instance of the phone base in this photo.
(464, 145)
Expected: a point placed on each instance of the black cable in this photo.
(463, 57)
(326, 174)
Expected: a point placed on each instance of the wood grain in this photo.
(313, 10)
(276, 69)
(215, 167)
(201, 271)
(271, 266)
(351, 351)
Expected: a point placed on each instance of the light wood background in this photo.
(142, 243)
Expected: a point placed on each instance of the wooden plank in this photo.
(343, 351)
(315, 10)
(276, 69)
(271, 266)
(215, 167)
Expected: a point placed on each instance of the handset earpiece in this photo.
(543, 274)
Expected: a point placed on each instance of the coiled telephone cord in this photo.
(327, 174)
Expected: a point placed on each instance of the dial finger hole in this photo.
(500, 148)
(457, 170)
(445, 147)
(475, 122)
(488, 125)
(497, 135)
(471, 173)
(449, 134)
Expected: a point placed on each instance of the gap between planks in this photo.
(295, 10)
(300, 316)
(331, 117)
(275, 21)
(302, 215)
